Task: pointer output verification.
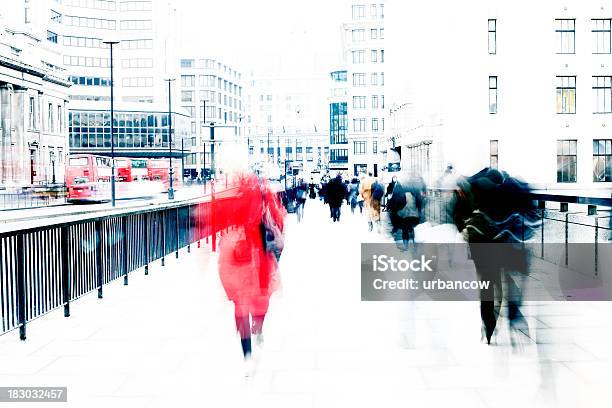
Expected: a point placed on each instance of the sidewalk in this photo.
(168, 339)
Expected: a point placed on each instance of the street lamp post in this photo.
(171, 170)
(112, 120)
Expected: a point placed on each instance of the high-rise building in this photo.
(211, 92)
(364, 56)
(143, 58)
(527, 91)
(33, 101)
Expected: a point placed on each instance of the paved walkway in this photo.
(168, 339)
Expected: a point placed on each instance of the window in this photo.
(359, 147)
(566, 161)
(358, 35)
(136, 6)
(602, 160)
(601, 32)
(50, 125)
(374, 56)
(382, 56)
(308, 153)
(492, 36)
(187, 96)
(375, 147)
(60, 119)
(374, 101)
(382, 33)
(136, 44)
(359, 102)
(87, 22)
(359, 12)
(566, 94)
(374, 34)
(374, 78)
(494, 154)
(359, 79)
(358, 57)
(602, 94)
(208, 81)
(382, 80)
(373, 10)
(51, 36)
(374, 125)
(32, 113)
(56, 17)
(566, 36)
(137, 82)
(359, 125)
(492, 94)
(188, 81)
(187, 63)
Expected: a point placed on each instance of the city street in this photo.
(168, 339)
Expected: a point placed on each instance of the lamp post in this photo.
(112, 120)
(171, 170)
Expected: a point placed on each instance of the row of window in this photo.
(213, 112)
(104, 98)
(567, 159)
(77, 61)
(360, 125)
(359, 34)
(136, 24)
(565, 32)
(188, 81)
(210, 64)
(137, 82)
(90, 81)
(377, 102)
(54, 116)
(376, 11)
(376, 78)
(139, 5)
(360, 147)
(89, 22)
(137, 63)
(137, 44)
(566, 94)
(189, 96)
(91, 4)
(376, 56)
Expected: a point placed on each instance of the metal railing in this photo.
(565, 219)
(45, 267)
(30, 199)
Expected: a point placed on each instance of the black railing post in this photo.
(21, 287)
(65, 271)
(146, 243)
(99, 272)
(125, 249)
(163, 235)
(178, 232)
(596, 247)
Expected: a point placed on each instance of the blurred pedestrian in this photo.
(372, 192)
(300, 199)
(248, 255)
(354, 194)
(406, 207)
(335, 193)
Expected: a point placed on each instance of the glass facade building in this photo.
(338, 123)
(136, 133)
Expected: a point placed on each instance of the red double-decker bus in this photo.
(88, 178)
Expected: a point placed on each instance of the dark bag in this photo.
(378, 191)
(271, 234)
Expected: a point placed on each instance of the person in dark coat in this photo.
(335, 192)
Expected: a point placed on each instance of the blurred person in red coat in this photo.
(248, 270)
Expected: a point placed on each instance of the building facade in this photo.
(286, 124)
(529, 92)
(143, 58)
(33, 103)
(211, 92)
(364, 54)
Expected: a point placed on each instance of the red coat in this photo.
(248, 273)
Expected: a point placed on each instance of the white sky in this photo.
(281, 38)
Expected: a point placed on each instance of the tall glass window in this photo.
(566, 94)
(602, 94)
(493, 94)
(492, 36)
(565, 30)
(602, 160)
(567, 159)
(602, 41)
